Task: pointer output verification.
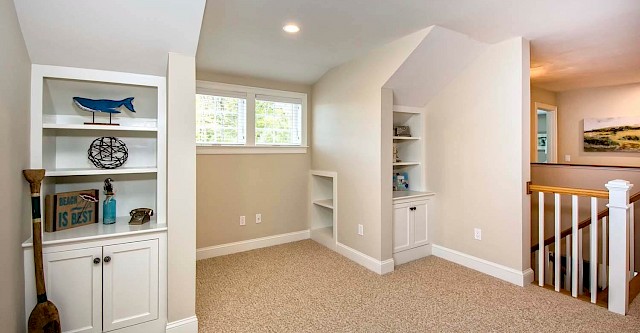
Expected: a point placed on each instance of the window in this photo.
(238, 119)
(278, 121)
(220, 119)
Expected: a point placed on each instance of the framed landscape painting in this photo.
(612, 134)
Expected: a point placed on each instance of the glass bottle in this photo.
(109, 204)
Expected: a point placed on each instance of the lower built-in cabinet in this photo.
(410, 236)
(409, 225)
(103, 286)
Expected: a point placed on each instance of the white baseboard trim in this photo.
(187, 325)
(251, 244)
(406, 256)
(520, 278)
(372, 264)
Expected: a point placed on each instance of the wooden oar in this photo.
(44, 316)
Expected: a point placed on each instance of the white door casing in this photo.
(552, 129)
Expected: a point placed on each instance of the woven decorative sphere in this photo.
(108, 152)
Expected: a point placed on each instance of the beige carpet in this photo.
(304, 287)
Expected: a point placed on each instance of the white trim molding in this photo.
(251, 244)
(249, 150)
(415, 253)
(187, 325)
(372, 264)
(520, 278)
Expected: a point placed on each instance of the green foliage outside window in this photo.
(277, 123)
(220, 120)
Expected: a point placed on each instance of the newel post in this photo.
(618, 245)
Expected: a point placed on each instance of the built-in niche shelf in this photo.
(99, 127)
(328, 203)
(405, 163)
(98, 231)
(411, 149)
(323, 211)
(95, 171)
(399, 195)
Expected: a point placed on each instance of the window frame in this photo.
(250, 147)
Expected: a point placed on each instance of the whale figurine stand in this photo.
(103, 106)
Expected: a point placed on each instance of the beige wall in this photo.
(181, 186)
(347, 138)
(576, 105)
(229, 186)
(274, 185)
(478, 157)
(15, 70)
(539, 95)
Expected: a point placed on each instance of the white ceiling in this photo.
(575, 43)
(439, 58)
(121, 35)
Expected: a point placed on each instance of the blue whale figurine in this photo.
(103, 105)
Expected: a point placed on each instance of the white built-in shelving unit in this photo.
(60, 139)
(323, 186)
(410, 208)
(411, 150)
(113, 277)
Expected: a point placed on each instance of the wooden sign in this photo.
(70, 209)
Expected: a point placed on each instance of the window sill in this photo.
(250, 150)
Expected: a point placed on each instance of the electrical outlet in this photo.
(242, 220)
(360, 230)
(477, 233)
(258, 218)
(567, 158)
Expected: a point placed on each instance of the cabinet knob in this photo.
(96, 260)
(107, 259)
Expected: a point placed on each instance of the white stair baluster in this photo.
(580, 262)
(558, 254)
(541, 250)
(567, 276)
(604, 279)
(632, 269)
(574, 248)
(593, 246)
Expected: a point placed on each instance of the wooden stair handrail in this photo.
(602, 194)
(585, 223)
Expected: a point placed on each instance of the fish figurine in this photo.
(103, 105)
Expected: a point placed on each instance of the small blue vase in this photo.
(109, 210)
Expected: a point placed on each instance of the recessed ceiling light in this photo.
(291, 28)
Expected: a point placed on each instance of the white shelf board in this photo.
(406, 138)
(328, 203)
(98, 231)
(93, 171)
(99, 127)
(397, 195)
(405, 163)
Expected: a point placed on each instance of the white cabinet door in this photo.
(419, 217)
(74, 285)
(402, 228)
(130, 284)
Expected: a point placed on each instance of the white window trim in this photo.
(213, 88)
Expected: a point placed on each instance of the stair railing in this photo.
(620, 235)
